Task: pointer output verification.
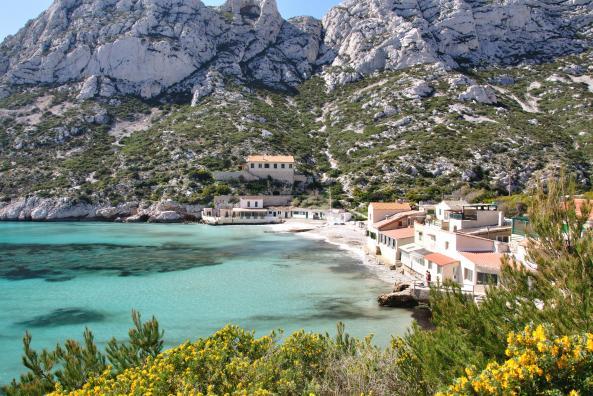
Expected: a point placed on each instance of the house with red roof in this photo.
(461, 243)
(383, 218)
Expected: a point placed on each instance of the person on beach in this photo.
(428, 278)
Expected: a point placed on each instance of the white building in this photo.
(459, 245)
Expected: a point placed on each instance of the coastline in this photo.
(348, 237)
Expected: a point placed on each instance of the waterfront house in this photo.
(259, 209)
(379, 211)
(390, 216)
(389, 244)
(463, 243)
(264, 209)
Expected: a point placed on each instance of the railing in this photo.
(475, 291)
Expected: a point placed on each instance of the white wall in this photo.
(486, 218)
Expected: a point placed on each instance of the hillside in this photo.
(502, 112)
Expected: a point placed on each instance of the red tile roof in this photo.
(271, 158)
(491, 261)
(401, 233)
(440, 259)
(391, 206)
(395, 218)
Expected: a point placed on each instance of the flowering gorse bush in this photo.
(232, 362)
(537, 364)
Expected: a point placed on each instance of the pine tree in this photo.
(73, 364)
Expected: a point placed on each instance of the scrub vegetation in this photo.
(375, 139)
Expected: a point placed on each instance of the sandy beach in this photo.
(349, 237)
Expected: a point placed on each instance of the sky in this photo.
(15, 14)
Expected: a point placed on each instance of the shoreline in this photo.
(347, 237)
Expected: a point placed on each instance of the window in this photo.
(248, 204)
(256, 204)
(446, 245)
(259, 166)
(432, 238)
(252, 166)
(267, 166)
(283, 166)
(468, 274)
(430, 265)
(439, 270)
(487, 279)
(275, 166)
(455, 229)
(290, 166)
(419, 236)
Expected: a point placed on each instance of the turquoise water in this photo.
(57, 278)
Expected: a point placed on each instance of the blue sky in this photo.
(15, 14)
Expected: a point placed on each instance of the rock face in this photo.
(152, 47)
(370, 35)
(54, 209)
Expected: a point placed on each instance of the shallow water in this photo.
(57, 278)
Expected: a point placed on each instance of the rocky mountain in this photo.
(151, 47)
(371, 35)
(110, 104)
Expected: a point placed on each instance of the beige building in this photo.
(281, 168)
(278, 167)
(379, 211)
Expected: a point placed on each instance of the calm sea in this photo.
(58, 278)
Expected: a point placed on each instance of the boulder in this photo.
(419, 89)
(398, 300)
(90, 88)
(165, 217)
(479, 93)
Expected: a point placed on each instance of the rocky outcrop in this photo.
(404, 295)
(154, 47)
(480, 94)
(370, 35)
(55, 209)
(166, 212)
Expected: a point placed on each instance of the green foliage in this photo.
(73, 364)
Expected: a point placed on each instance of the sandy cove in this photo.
(349, 237)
